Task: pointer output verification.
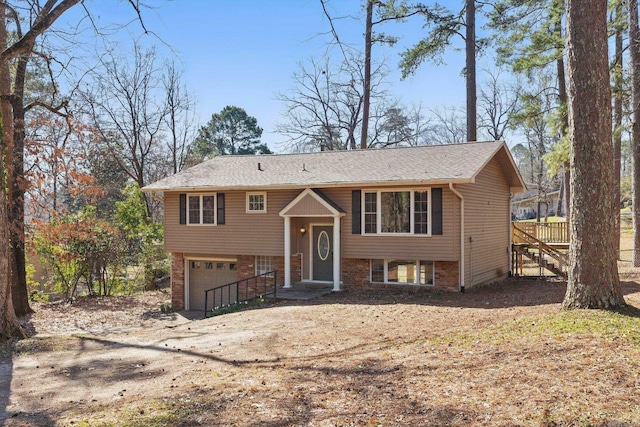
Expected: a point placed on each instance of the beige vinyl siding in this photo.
(487, 221)
(242, 233)
(443, 247)
(263, 234)
(308, 206)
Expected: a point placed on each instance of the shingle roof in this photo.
(434, 164)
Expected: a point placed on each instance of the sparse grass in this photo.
(234, 308)
(42, 345)
(576, 324)
(502, 354)
(149, 414)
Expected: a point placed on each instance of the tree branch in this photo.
(43, 22)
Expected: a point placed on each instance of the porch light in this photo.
(303, 230)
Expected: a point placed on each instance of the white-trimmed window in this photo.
(257, 202)
(403, 211)
(414, 272)
(201, 209)
(264, 264)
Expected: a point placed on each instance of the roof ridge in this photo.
(357, 150)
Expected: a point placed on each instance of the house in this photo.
(429, 216)
(525, 205)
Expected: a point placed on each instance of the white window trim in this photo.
(256, 193)
(256, 264)
(416, 273)
(215, 208)
(378, 193)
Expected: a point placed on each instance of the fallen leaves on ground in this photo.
(497, 355)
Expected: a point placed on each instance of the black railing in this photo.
(240, 292)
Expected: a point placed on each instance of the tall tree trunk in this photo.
(559, 204)
(617, 123)
(367, 76)
(564, 118)
(470, 48)
(634, 53)
(9, 326)
(593, 271)
(19, 292)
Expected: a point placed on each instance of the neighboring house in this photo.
(432, 216)
(525, 205)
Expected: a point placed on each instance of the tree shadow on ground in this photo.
(18, 417)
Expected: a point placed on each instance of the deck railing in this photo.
(240, 292)
(542, 248)
(547, 232)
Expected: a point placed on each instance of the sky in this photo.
(244, 52)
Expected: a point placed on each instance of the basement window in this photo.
(410, 272)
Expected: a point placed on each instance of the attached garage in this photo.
(207, 274)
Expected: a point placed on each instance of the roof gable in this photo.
(311, 203)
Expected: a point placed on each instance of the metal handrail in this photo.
(236, 286)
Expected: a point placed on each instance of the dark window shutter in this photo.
(436, 211)
(220, 208)
(356, 212)
(183, 208)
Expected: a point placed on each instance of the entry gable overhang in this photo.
(312, 203)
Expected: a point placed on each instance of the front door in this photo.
(322, 252)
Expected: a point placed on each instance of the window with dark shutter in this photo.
(183, 208)
(356, 212)
(220, 207)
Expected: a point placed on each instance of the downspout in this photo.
(454, 191)
(510, 234)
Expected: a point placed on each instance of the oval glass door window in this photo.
(323, 245)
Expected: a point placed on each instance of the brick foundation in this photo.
(247, 269)
(356, 275)
(296, 268)
(447, 276)
(177, 281)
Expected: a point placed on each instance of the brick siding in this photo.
(247, 269)
(447, 276)
(355, 274)
(177, 281)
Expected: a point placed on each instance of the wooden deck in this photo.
(547, 232)
(539, 249)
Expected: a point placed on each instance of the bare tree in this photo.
(179, 120)
(593, 272)
(128, 111)
(27, 22)
(397, 126)
(498, 103)
(14, 57)
(447, 126)
(325, 107)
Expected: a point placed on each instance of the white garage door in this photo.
(205, 275)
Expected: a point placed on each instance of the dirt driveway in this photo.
(392, 358)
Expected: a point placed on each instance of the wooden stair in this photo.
(544, 263)
(543, 255)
